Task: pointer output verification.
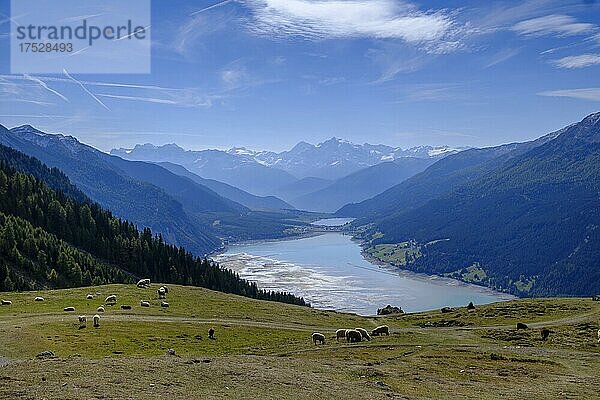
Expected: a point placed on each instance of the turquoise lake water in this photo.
(329, 271)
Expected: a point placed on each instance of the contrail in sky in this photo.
(85, 89)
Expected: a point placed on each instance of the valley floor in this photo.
(263, 349)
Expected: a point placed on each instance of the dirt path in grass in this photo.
(29, 319)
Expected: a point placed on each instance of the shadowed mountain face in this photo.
(177, 205)
(237, 170)
(361, 185)
(441, 177)
(528, 214)
(107, 180)
(230, 192)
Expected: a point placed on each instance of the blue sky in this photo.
(270, 73)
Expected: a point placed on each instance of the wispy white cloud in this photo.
(137, 98)
(497, 16)
(393, 60)
(222, 3)
(381, 19)
(92, 95)
(590, 94)
(234, 76)
(181, 97)
(37, 102)
(562, 25)
(189, 101)
(45, 86)
(201, 24)
(431, 92)
(501, 56)
(579, 61)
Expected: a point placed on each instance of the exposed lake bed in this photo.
(330, 272)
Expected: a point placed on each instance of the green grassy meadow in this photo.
(263, 349)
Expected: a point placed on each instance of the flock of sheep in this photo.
(352, 335)
(110, 300)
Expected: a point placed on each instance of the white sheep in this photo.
(96, 321)
(363, 333)
(164, 304)
(38, 298)
(100, 309)
(161, 292)
(318, 338)
(380, 330)
(89, 297)
(144, 303)
(142, 283)
(598, 335)
(340, 333)
(69, 309)
(111, 299)
(6, 302)
(82, 321)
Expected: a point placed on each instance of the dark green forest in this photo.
(532, 223)
(49, 239)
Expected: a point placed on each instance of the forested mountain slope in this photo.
(50, 240)
(530, 225)
(93, 172)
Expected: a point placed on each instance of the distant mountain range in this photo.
(522, 217)
(331, 160)
(336, 158)
(311, 177)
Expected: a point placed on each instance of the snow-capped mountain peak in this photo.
(330, 159)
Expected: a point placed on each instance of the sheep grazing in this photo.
(125, 307)
(352, 335)
(96, 321)
(162, 292)
(166, 289)
(82, 321)
(144, 303)
(100, 309)
(111, 299)
(521, 325)
(69, 309)
(211, 333)
(143, 283)
(6, 302)
(340, 333)
(363, 333)
(89, 297)
(544, 333)
(164, 304)
(598, 335)
(38, 298)
(381, 330)
(318, 338)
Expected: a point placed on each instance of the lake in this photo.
(329, 272)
